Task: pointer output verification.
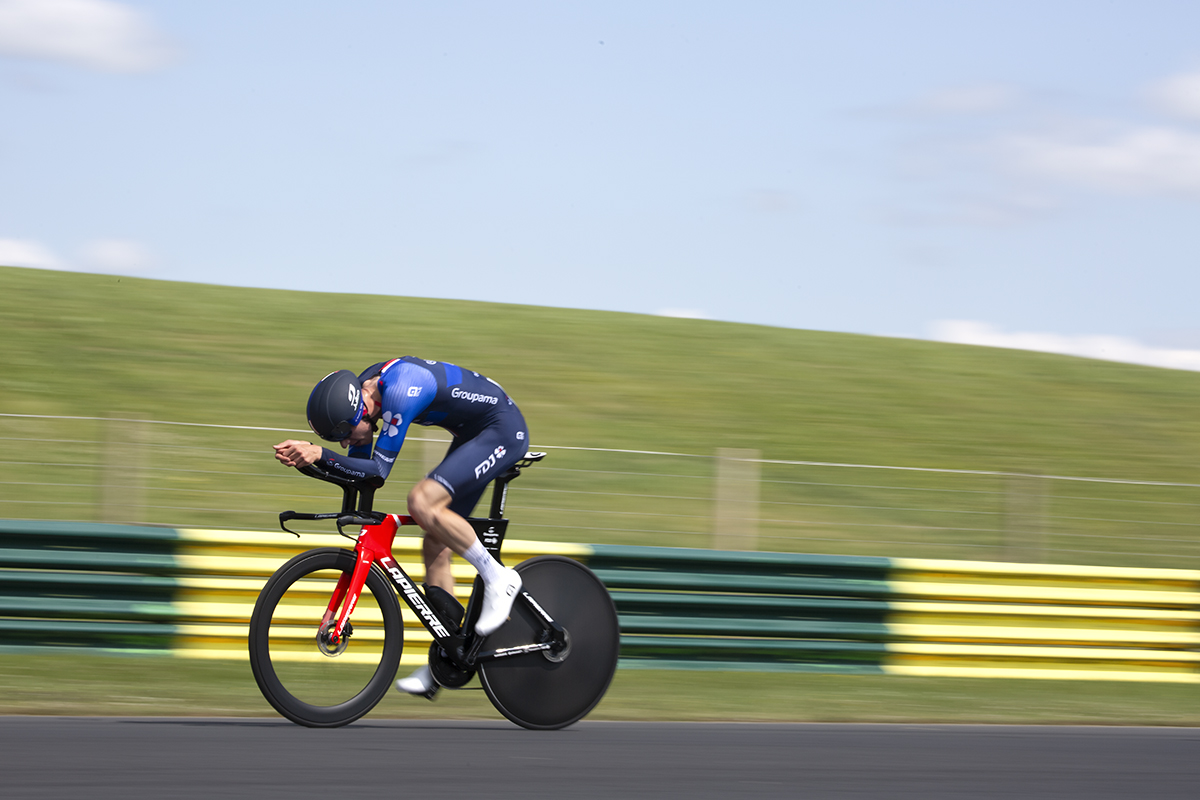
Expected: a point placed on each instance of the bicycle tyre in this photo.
(299, 681)
(534, 691)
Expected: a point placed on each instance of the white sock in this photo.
(482, 560)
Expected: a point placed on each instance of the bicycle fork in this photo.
(374, 544)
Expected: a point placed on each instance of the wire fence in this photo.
(211, 476)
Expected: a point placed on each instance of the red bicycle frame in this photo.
(374, 545)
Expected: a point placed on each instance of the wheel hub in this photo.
(559, 654)
(328, 644)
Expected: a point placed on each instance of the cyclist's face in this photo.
(362, 434)
(364, 431)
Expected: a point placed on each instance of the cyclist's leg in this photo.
(437, 564)
(477, 458)
(441, 502)
(429, 504)
(445, 531)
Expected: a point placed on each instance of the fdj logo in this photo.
(490, 462)
(414, 391)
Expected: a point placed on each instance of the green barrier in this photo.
(190, 593)
(778, 611)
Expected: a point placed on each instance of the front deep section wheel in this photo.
(305, 674)
(553, 689)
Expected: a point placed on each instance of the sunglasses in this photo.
(343, 429)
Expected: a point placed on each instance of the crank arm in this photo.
(556, 631)
(519, 650)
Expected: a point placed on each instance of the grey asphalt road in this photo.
(71, 757)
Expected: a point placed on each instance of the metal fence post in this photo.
(1024, 518)
(123, 474)
(736, 516)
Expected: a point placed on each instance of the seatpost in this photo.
(500, 485)
(500, 492)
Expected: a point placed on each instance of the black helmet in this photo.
(335, 405)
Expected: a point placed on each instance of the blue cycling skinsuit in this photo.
(489, 432)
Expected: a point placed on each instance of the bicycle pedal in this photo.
(432, 693)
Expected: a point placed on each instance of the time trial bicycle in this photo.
(324, 652)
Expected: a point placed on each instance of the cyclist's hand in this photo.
(293, 453)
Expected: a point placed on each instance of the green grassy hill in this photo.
(95, 344)
(102, 346)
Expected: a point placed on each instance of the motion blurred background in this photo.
(734, 264)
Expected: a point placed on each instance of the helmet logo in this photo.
(352, 396)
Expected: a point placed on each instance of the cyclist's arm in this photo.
(356, 468)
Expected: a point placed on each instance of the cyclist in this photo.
(489, 436)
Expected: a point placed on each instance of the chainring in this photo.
(445, 672)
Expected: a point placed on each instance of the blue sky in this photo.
(1017, 174)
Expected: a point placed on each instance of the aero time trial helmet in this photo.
(335, 405)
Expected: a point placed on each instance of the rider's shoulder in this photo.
(397, 366)
(401, 376)
(406, 362)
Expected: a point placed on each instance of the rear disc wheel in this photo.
(549, 690)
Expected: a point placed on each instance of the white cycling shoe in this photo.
(420, 683)
(498, 597)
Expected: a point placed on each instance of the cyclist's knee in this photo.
(426, 501)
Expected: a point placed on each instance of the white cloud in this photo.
(1178, 95)
(1042, 152)
(682, 313)
(1143, 160)
(27, 253)
(119, 256)
(1106, 348)
(98, 34)
(1123, 158)
(109, 256)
